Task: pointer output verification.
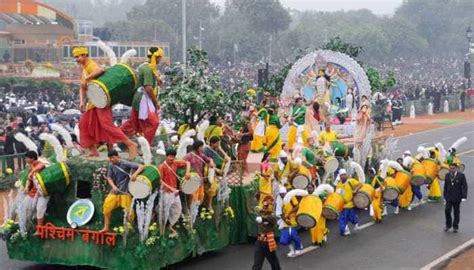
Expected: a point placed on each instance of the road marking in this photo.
(466, 152)
(434, 129)
(445, 138)
(306, 250)
(366, 225)
(448, 255)
(423, 144)
(469, 132)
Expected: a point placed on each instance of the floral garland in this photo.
(99, 182)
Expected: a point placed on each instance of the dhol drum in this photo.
(418, 174)
(443, 171)
(191, 185)
(116, 85)
(55, 178)
(333, 206)
(340, 149)
(431, 169)
(330, 164)
(309, 211)
(391, 191)
(300, 181)
(364, 196)
(146, 183)
(402, 179)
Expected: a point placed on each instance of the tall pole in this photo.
(270, 50)
(183, 3)
(200, 35)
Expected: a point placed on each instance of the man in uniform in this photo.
(455, 192)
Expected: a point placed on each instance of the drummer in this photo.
(170, 202)
(328, 136)
(144, 117)
(313, 156)
(265, 180)
(220, 158)
(35, 166)
(214, 129)
(96, 125)
(347, 188)
(118, 177)
(198, 161)
(289, 232)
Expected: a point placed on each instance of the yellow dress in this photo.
(273, 142)
(293, 130)
(434, 193)
(319, 232)
(404, 200)
(377, 202)
(265, 189)
(258, 141)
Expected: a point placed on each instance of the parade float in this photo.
(77, 185)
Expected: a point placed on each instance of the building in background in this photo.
(30, 30)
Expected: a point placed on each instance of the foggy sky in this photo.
(376, 6)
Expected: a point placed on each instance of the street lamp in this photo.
(469, 33)
(467, 64)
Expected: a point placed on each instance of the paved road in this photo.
(409, 240)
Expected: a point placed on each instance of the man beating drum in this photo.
(144, 115)
(118, 176)
(31, 158)
(96, 125)
(169, 208)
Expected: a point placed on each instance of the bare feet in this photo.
(132, 151)
(104, 230)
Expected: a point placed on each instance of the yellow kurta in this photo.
(348, 191)
(290, 217)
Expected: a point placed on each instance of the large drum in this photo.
(116, 85)
(391, 191)
(330, 164)
(418, 174)
(431, 169)
(55, 178)
(147, 182)
(300, 181)
(364, 196)
(340, 149)
(309, 211)
(191, 185)
(402, 179)
(333, 206)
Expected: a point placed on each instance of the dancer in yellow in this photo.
(377, 203)
(273, 141)
(297, 132)
(265, 181)
(405, 199)
(258, 141)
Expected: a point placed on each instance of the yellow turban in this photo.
(78, 51)
(251, 92)
(153, 56)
